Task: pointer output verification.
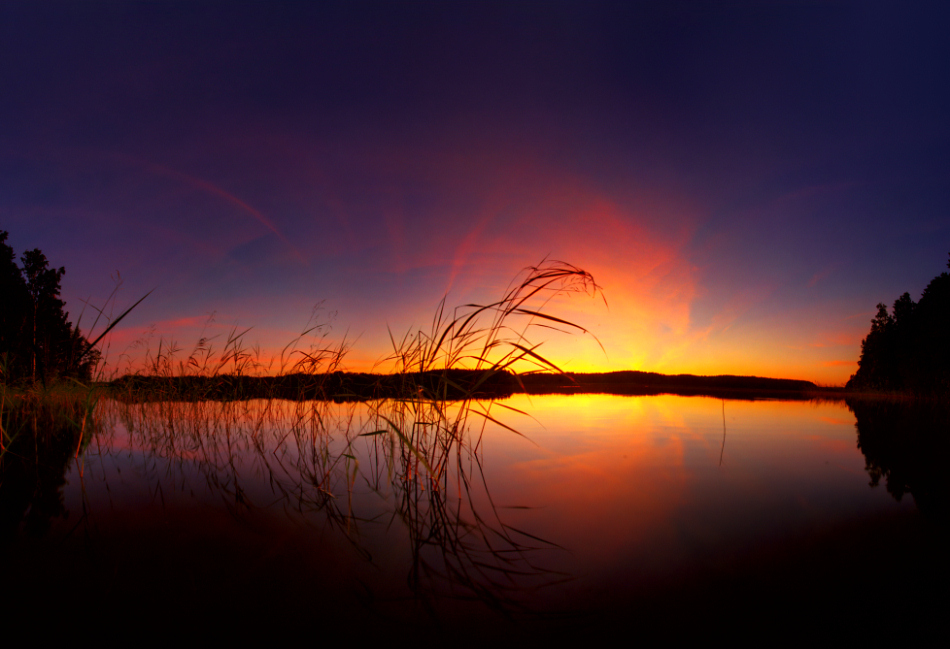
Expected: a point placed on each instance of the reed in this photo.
(494, 337)
(490, 338)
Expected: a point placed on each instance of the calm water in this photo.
(662, 513)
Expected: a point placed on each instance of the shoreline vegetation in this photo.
(38, 345)
(904, 357)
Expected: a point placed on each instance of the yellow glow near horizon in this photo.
(649, 321)
(634, 334)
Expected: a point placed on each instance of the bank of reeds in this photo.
(466, 355)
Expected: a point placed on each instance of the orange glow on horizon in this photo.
(650, 285)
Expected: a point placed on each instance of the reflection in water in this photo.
(907, 443)
(722, 450)
(343, 467)
(609, 511)
(39, 441)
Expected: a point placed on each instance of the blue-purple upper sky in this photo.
(746, 180)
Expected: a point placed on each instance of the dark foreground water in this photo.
(650, 517)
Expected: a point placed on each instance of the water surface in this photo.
(602, 512)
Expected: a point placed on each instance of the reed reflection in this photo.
(655, 514)
(344, 465)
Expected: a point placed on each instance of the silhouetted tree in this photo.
(932, 321)
(37, 341)
(14, 300)
(876, 366)
(909, 349)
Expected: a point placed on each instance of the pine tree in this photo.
(909, 349)
(37, 341)
(14, 299)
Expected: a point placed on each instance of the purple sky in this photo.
(746, 180)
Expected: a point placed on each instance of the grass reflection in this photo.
(324, 462)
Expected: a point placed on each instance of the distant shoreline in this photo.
(458, 384)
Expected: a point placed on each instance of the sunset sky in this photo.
(745, 180)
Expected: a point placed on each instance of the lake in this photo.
(657, 515)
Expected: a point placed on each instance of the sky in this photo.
(746, 181)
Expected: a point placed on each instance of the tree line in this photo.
(908, 347)
(37, 341)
